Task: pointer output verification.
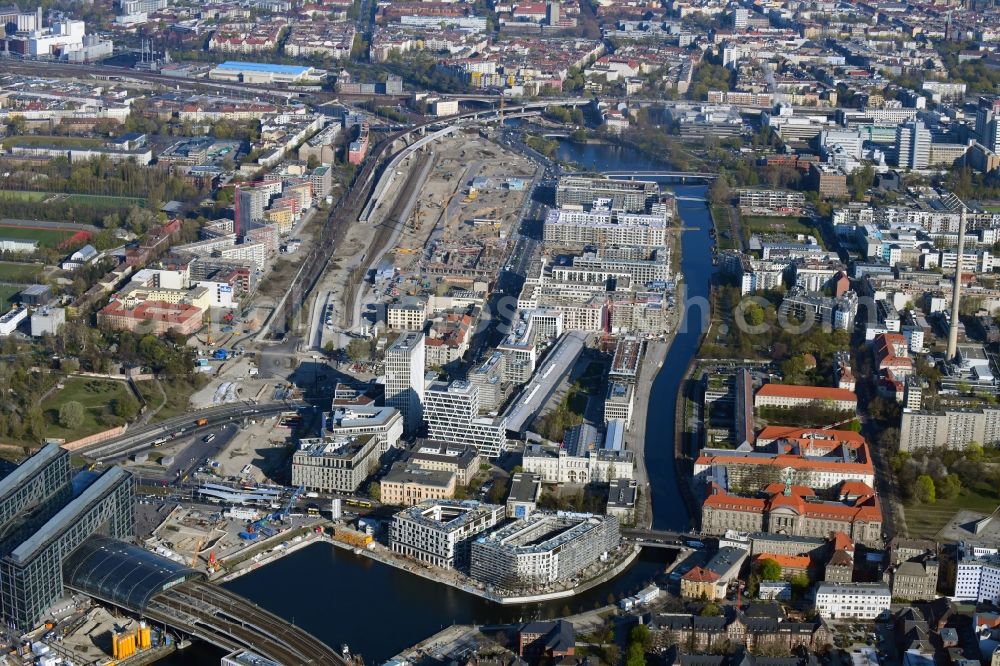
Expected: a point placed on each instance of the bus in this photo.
(352, 501)
(313, 512)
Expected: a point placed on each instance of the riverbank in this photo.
(383, 555)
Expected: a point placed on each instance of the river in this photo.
(379, 610)
(669, 511)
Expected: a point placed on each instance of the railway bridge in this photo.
(171, 595)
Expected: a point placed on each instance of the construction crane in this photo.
(291, 501)
(197, 549)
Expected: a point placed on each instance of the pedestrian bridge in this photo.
(172, 595)
(672, 176)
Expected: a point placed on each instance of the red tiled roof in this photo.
(701, 575)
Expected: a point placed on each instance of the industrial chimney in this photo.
(957, 291)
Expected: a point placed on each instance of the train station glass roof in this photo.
(122, 573)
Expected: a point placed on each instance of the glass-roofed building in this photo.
(44, 517)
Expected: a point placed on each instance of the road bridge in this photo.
(671, 176)
(136, 439)
(662, 538)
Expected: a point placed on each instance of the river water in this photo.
(379, 610)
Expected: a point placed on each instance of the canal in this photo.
(379, 610)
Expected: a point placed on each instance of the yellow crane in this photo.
(197, 549)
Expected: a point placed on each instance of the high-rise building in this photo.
(913, 145)
(988, 122)
(741, 18)
(404, 378)
(452, 413)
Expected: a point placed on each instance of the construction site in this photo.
(440, 223)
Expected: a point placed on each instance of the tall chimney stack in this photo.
(957, 291)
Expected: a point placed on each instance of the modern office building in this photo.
(440, 532)
(542, 549)
(977, 575)
(45, 515)
(452, 415)
(335, 465)
(913, 145)
(404, 378)
(386, 423)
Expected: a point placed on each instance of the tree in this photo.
(71, 415)
(312, 162)
(711, 609)
(948, 487)
(126, 406)
(358, 350)
(719, 193)
(375, 491)
(861, 180)
(924, 489)
(635, 656)
(800, 584)
(770, 570)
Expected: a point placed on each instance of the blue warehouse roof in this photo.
(263, 67)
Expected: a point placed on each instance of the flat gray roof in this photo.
(30, 468)
(69, 514)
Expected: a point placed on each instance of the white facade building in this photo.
(977, 575)
(404, 378)
(438, 532)
(452, 414)
(862, 601)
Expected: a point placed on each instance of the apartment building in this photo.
(771, 199)
(440, 532)
(542, 549)
(948, 429)
(634, 196)
(852, 601)
(603, 227)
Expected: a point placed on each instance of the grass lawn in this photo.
(95, 395)
(724, 237)
(7, 293)
(778, 225)
(926, 520)
(12, 271)
(23, 195)
(45, 237)
(151, 393)
(178, 396)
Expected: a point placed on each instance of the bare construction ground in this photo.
(462, 188)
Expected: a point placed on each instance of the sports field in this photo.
(97, 200)
(45, 237)
(12, 271)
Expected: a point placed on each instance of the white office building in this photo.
(439, 532)
(913, 145)
(404, 378)
(977, 575)
(452, 414)
(861, 601)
